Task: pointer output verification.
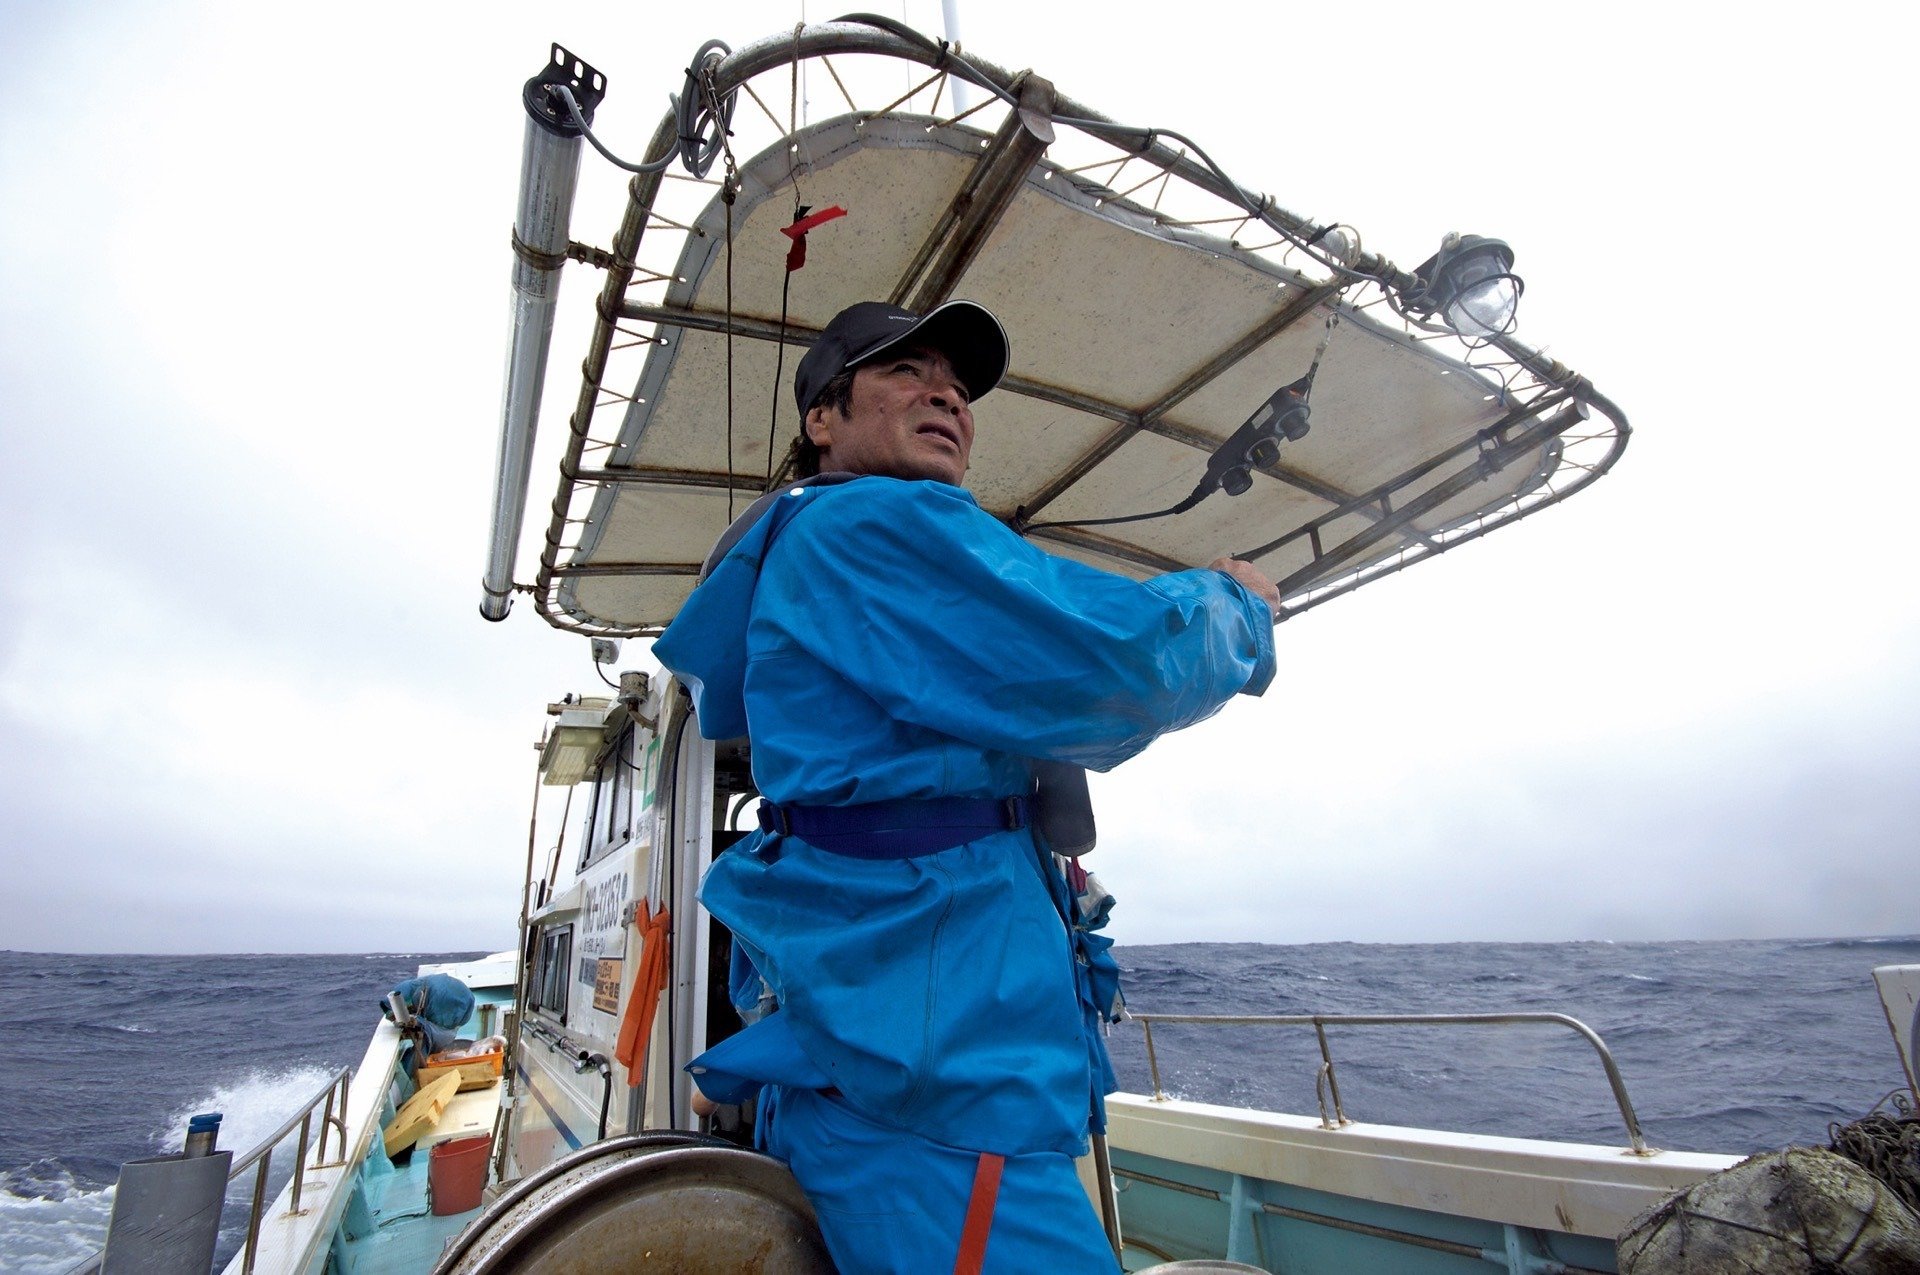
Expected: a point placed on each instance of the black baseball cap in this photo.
(964, 331)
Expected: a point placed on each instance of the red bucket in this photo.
(456, 1174)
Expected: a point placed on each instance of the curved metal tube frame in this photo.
(1320, 1022)
(840, 37)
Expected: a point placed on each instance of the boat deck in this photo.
(369, 1213)
(390, 1224)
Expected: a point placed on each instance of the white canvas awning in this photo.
(1140, 343)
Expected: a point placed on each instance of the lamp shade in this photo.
(1471, 285)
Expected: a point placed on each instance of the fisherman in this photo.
(900, 661)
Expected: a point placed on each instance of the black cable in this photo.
(697, 147)
(1198, 494)
(701, 119)
(1235, 453)
(726, 197)
(606, 1091)
(779, 367)
(669, 778)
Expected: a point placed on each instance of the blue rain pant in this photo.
(890, 1203)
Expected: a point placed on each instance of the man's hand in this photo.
(1253, 578)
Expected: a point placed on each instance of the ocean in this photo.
(1728, 1046)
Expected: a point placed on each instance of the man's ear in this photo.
(819, 427)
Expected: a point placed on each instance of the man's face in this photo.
(909, 418)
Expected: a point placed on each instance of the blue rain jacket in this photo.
(883, 639)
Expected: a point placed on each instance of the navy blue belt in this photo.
(900, 829)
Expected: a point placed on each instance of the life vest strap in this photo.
(973, 1236)
(902, 829)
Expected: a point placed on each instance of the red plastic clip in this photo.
(797, 255)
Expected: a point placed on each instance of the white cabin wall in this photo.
(692, 842)
(599, 899)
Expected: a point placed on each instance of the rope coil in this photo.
(1888, 1147)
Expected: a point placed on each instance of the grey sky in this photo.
(254, 300)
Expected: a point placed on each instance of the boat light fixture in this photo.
(1470, 284)
(573, 745)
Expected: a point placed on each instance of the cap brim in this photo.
(966, 332)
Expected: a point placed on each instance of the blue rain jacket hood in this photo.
(880, 639)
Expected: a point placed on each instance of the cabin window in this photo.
(621, 764)
(553, 971)
(610, 821)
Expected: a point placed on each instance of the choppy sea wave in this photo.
(103, 1058)
(1732, 1047)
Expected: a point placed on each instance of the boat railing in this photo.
(1326, 1084)
(333, 1098)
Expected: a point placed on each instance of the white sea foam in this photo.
(48, 1223)
(251, 1106)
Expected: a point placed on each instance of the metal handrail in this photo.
(334, 1118)
(1320, 1022)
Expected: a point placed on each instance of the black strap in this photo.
(902, 829)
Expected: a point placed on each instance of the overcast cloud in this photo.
(253, 278)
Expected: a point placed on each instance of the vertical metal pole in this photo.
(1333, 1083)
(549, 169)
(512, 1052)
(346, 1083)
(253, 1222)
(950, 19)
(326, 1124)
(1109, 1206)
(300, 1163)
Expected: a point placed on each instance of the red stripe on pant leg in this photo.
(973, 1236)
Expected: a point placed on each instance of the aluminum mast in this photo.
(549, 168)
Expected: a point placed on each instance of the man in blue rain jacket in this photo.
(899, 659)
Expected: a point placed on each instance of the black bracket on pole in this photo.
(587, 85)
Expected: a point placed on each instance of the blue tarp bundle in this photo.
(441, 999)
(443, 1004)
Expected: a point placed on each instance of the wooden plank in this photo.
(420, 1113)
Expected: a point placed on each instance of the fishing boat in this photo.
(1196, 370)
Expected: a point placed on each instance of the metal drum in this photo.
(648, 1202)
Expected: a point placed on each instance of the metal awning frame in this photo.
(1529, 382)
